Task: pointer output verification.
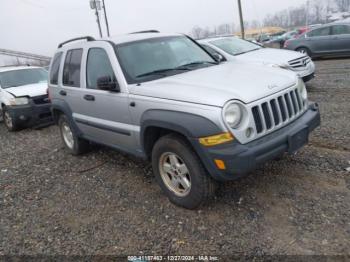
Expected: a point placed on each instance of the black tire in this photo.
(79, 146)
(9, 122)
(202, 185)
(304, 50)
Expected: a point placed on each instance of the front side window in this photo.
(55, 69)
(98, 65)
(22, 77)
(340, 30)
(235, 46)
(325, 31)
(155, 58)
(71, 70)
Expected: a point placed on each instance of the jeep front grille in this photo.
(277, 111)
(299, 62)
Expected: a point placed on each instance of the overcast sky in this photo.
(39, 25)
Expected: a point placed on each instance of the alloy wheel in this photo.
(67, 135)
(175, 174)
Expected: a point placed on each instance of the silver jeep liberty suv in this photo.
(162, 97)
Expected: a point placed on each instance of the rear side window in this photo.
(340, 30)
(71, 70)
(98, 65)
(55, 67)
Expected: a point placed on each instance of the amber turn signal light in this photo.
(216, 139)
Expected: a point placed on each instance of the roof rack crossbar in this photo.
(88, 38)
(146, 31)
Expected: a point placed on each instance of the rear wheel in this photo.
(305, 51)
(9, 122)
(72, 142)
(180, 173)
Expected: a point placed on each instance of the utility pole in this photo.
(241, 18)
(96, 4)
(307, 12)
(106, 19)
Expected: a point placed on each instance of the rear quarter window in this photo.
(55, 67)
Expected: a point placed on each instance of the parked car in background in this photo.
(163, 98)
(233, 49)
(23, 97)
(280, 40)
(328, 40)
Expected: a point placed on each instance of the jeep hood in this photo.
(28, 90)
(216, 85)
(270, 56)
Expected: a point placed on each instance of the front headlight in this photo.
(233, 114)
(17, 101)
(302, 90)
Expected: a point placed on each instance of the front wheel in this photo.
(72, 142)
(9, 122)
(180, 173)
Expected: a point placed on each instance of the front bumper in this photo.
(31, 115)
(308, 73)
(241, 159)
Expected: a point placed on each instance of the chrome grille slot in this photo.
(274, 110)
(277, 111)
(299, 62)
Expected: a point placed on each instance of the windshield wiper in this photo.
(247, 51)
(161, 71)
(185, 66)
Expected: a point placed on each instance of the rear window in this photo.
(55, 67)
(341, 30)
(71, 70)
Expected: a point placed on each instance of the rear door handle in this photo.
(89, 98)
(63, 93)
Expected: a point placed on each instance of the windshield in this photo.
(22, 77)
(155, 58)
(235, 46)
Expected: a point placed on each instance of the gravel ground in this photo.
(52, 203)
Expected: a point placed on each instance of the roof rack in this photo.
(145, 32)
(87, 38)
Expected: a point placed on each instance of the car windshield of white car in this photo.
(235, 46)
(22, 77)
(155, 58)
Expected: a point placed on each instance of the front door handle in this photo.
(89, 97)
(63, 93)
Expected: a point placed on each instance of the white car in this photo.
(23, 97)
(235, 49)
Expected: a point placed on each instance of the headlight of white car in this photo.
(233, 114)
(302, 90)
(17, 101)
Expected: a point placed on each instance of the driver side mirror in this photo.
(219, 58)
(108, 84)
